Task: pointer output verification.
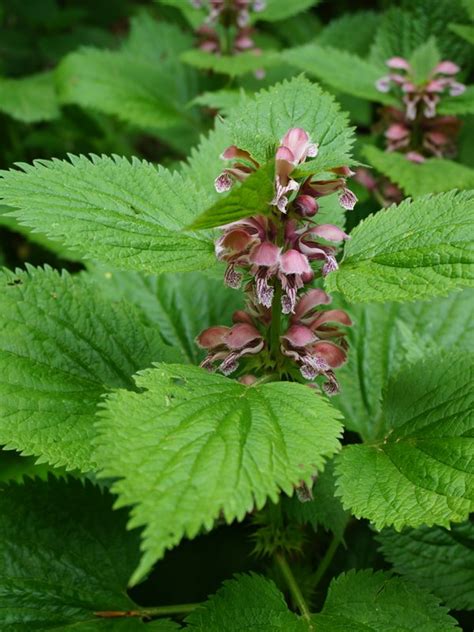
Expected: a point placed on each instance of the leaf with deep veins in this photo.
(191, 445)
(417, 249)
(420, 468)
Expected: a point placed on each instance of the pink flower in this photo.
(294, 148)
(226, 345)
(428, 92)
(242, 166)
(314, 340)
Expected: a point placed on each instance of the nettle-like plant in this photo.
(330, 389)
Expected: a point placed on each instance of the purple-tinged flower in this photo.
(306, 206)
(319, 188)
(293, 272)
(242, 166)
(308, 242)
(226, 345)
(415, 156)
(425, 95)
(235, 244)
(265, 259)
(294, 148)
(259, 5)
(314, 339)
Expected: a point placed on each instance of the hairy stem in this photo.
(158, 611)
(293, 587)
(326, 561)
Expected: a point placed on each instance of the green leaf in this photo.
(276, 10)
(466, 31)
(462, 104)
(419, 470)
(127, 214)
(195, 17)
(417, 249)
(402, 30)
(341, 70)
(252, 197)
(440, 560)
(61, 347)
(143, 84)
(232, 65)
(192, 445)
(223, 100)
(361, 601)
(325, 509)
(387, 336)
(16, 468)
(261, 122)
(247, 602)
(179, 306)
(352, 32)
(70, 559)
(365, 601)
(29, 99)
(424, 59)
(436, 175)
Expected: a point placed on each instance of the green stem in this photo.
(276, 323)
(158, 611)
(326, 561)
(293, 587)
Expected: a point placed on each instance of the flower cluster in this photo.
(416, 129)
(234, 17)
(275, 256)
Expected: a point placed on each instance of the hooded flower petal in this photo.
(398, 63)
(265, 254)
(293, 262)
(447, 68)
(310, 300)
(299, 336)
(241, 335)
(330, 232)
(333, 355)
(212, 337)
(298, 142)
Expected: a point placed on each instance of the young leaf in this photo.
(29, 99)
(61, 347)
(232, 65)
(64, 557)
(436, 175)
(247, 602)
(424, 59)
(418, 249)
(419, 469)
(357, 602)
(365, 601)
(143, 83)
(352, 32)
(466, 31)
(438, 559)
(252, 197)
(275, 10)
(384, 338)
(462, 104)
(179, 306)
(127, 214)
(259, 124)
(403, 30)
(341, 70)
(194, 444)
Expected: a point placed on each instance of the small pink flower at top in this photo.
(425, 95)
